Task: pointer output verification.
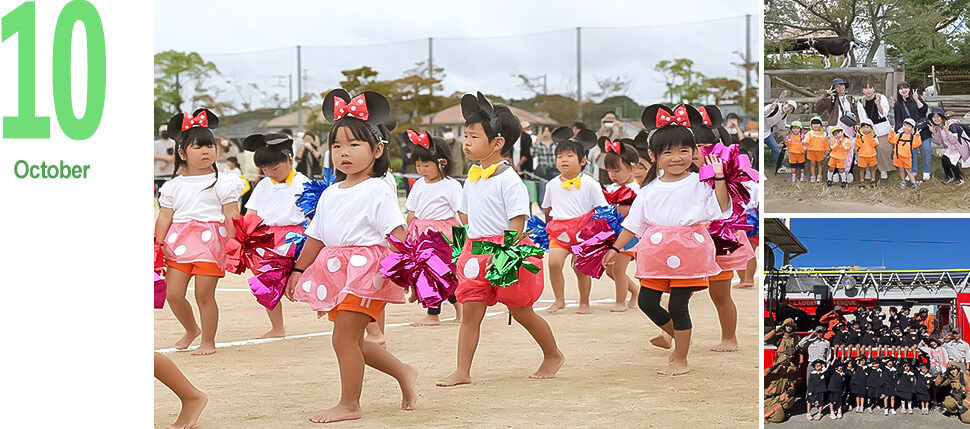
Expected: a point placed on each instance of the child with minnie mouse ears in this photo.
(338, 272)
(274, 200)
(621, 160)
(675, 253)
(194, 223)
(433, 201)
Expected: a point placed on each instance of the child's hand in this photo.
(413, 294)
(291, 285)
(716, 164)
(608, 258)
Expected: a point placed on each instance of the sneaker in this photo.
(959, 182)
(828, 183)
(832, 416)
(926, 176)
(917, 183)
(949, 180)
(883, 175)
(784, 169)
(819, 178)
(902, 185)
(793, 178)
(843, 185)
(886, 412)
(811, 179)
(894, 411)
(869, 410)
(840, 414)
(803, 177)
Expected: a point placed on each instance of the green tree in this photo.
(683, 83)
(174, 71)
(723, 89)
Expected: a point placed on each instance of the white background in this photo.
(75, 254)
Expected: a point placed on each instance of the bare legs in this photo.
(352, 353)
(276, 321)
(205, 297)
(727, 314)
(178, 282)
(468, 336)
(193, 400)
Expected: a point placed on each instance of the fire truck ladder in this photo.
(884, 285)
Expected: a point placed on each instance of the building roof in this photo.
(452, 116)
(777, 233)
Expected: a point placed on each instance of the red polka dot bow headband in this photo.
(357, 108)
(421, 139)
(679, 117)
(612, 146)
(200, 120)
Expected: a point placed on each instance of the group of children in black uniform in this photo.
(874, 361)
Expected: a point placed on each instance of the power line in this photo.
(876, 240)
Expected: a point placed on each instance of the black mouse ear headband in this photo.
(562, 134)
(586, 138)
(657, 116)
(183, 122)
(472, 104)
(280, 142)
(370, 107)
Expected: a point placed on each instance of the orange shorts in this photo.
(664, 285)
(836, 163)
(724, 275)
(796, 158)
(903, 162)
(816, 155)
(370, 307)
(198, 268)
(867, 161)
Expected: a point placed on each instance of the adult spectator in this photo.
(457, 154)
(308, 157)
(732, 123)
(522, 152)
(164, 156)
(613, 130)
(874, 107)
(910, 105)
(927, 320)
(776, 116)
(544, 153)
(937, 355)
(578, 126)
(957, 350)
(817, 346)
(226, 149)
(956, 154)
(835, 103)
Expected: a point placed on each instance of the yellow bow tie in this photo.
(289, 178)
(574, 182)
(477, 172)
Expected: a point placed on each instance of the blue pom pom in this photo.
(538, 232)
(753, 221)
(611, 216)
(307, 201)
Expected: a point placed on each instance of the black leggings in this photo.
(649, 302)
(434, 311)
(950, 170)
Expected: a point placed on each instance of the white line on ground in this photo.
(392, 325)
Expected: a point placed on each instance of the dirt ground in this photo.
(609, 378)
(933, 196)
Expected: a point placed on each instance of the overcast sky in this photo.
(473, 40)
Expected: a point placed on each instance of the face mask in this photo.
(225, 143)
(449, 135)
(608, 124)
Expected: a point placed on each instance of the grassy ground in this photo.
(933, 196)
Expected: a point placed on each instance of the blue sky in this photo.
(893, 243)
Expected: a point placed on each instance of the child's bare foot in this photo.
(337, 413)
(726, 346)
(427, 320)
(409, 389)
(556, 307)
(549, 366)
(457, 320)
(455, 379)
(619, 308)
(661, 341)
(675, 367)
(274, 333)
(745, 285)
(584, 309)
(188, 338)
(191, 410)
(204, 349)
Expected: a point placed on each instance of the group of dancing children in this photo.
(813, 145)
(338, 270)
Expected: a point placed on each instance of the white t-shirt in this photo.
(613, 187)
(754, 189)
(391, 181)
(189, 198)
(162, 148)
(572, 203)
(361, 215)
(276, 202)
(687, 201)
(490, 203)
(434, 201)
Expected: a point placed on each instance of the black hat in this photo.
(280, 142)
(840, 81)
(370, 107)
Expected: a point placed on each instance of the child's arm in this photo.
(311, 249)
(463, 218)
(546, 212)
(917, 140)
(517, 223)
(410, 218)
(162, 223)
(399, 233)
(625, 236)
(720, 188)
(230, 211)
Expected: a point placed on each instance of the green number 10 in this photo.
(27, 125)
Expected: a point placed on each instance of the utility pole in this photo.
(299, 87)
(430, 65)
(579, 73)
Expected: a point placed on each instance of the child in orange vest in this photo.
(903, 145)
(817, 143)
(866, 142)
(796, 150)
(839, 147)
